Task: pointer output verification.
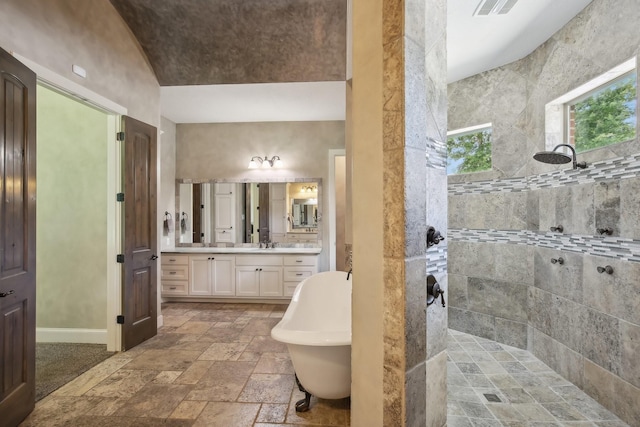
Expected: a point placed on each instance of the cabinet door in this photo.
(247, 281)
(270, 281)
(222, 277)
(200, 275)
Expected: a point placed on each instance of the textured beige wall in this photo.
(223, 150)
(59, 33)
(167, 172)
(71, 235)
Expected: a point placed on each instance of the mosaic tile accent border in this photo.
(436, 154)
(436, 260)
(616, 168)
(610, 247)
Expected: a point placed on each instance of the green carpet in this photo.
(59, 363)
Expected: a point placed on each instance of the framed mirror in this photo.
(228, 213)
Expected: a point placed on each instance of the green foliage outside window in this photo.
(606, 117)
(469, 152)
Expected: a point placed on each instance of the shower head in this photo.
(557, 158)
(552, 157)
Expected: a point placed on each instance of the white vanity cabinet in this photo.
(259, 275)
(296, 269)
(240, 275)
(174, 277)
(212, 275)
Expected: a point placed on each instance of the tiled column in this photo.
(398, 188)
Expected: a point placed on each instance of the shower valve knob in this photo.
(558, 260)
(434, 290)
(558, 228)
(606, 231)
(433, 237)
(606, 269)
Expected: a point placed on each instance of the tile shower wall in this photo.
(503, 284)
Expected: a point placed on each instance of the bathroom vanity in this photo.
(196, 273)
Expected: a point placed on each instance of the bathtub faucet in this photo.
(349, 273)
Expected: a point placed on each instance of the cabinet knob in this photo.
(173, 288)
(173, 272)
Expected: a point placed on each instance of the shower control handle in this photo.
(606, 231)
(559, 228)
(434, 290)
(433, 237)
(558, 260)
(606, 269)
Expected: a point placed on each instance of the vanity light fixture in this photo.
(257, 161)
(309, 189)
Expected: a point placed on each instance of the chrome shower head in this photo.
(557, 158)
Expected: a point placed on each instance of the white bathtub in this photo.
(317, 330)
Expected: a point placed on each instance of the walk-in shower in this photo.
(557, 157)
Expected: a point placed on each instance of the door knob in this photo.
(154, 257)
(6, 294)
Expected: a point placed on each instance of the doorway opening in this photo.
(71, 237)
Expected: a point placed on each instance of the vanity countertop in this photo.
(241, 250)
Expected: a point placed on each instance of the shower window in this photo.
(469, 150)
(597, 113)
(604, 116)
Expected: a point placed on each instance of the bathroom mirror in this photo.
(226, 212)
(304, 214)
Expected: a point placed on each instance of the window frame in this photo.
(469, 131)
(569, 138)
(557, 113)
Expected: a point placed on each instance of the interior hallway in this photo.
(216, 365)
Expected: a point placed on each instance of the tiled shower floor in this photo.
(216, 365)
(491, 384)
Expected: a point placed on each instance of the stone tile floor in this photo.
(210, 365)
(216, 365)
(530, 394)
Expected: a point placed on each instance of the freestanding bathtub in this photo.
(317, 330)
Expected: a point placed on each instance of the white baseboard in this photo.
(160, 321)
(75, 335)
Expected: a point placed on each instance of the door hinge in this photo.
(120, 258)
(120, 319)
(120, 136)
(120, 197)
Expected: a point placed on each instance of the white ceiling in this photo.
(474, 45)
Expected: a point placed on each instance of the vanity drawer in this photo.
(175, 288)
(289, 288)
(175, 272)
(173, 259)
(297, 274)
(305, 260)
(259, 260)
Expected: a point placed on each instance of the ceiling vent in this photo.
(494, 7)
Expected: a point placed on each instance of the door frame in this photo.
(114, 185)
(331, 211)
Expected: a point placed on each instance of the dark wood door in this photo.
(196, 221)
(17, 240)
(263, 203)
(139, 303)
